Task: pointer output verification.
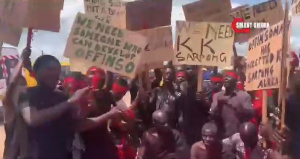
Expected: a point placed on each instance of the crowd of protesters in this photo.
(81, 117)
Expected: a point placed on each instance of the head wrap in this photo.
(217, 78)
(120, 86)
(181, 73)
(97, 77)
(232, 74)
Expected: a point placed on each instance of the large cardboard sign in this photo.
(270, 11)
(10, 34)
(198, 11)
(202, 43)
(158, 49)
(263, 69)
(112, 12)
(12, 14)
(44, 15)
(143, 14)
(96, 43)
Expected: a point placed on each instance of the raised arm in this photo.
(8, 105)
(90, 123)
(34, 117)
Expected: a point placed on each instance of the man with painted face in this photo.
(162, 142)
(52, 117)
(211, 146)
(231, 107)
(98, 141)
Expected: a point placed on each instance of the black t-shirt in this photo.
(52, 140)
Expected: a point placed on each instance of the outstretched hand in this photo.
(79, 94)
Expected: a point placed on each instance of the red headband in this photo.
(216, 79)
(232, 74)
(181, 74)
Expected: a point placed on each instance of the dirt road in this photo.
(2, 138)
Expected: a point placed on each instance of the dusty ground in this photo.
(2, 138)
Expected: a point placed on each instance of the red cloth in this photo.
(117, 88)
(232, 74)
(240, 86)
(295, 61)
(257, 104)
(130, 114)
(217, 79)
(128, 153)
(181, 74)
(247, 153)
(32, 74)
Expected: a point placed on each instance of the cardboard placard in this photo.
(43, 15)
(269, 11)
(263, 70)
(223, 16)
(143, 14)
(12, 15)
(158, 49)
(112, 12)
(198, 11)
(202, 43)
(97, 43)
(10, 34)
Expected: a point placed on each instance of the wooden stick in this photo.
(265, 111)
(141, 84)
(147, 78)
(283, 62)
(1, 45)
(200, 79)
(265, 107)
(29, 37)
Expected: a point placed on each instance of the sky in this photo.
(54, 43)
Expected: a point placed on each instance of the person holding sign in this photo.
(52, 117)
(231, 107)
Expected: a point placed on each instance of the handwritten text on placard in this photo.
(264, 59)
(202, 43)
(105, 46)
